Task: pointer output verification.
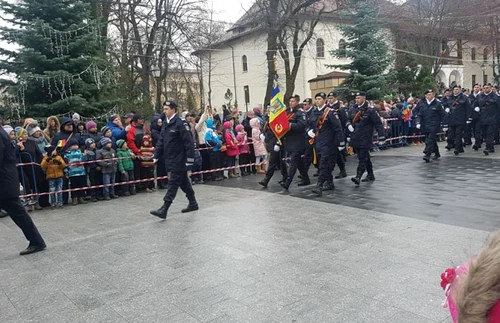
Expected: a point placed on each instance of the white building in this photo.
(238, 63)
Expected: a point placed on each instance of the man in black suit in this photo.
(9, 194)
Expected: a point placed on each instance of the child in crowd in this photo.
(106, 157)
(242, 139)
(36, 135)
(258, 145)
(93, 170)
(54, 165)
(106, 132)
(92, 131)
(75, 171)
(125, 166)
(81, 134)
(232, 149)
(147, 163)
(213, 140)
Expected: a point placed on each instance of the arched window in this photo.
(342, 48)
(485, 55)
(245, 63)
(320, 48)
(473, 54)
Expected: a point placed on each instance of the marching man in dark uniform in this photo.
(488, 107)
(9, 194)
(309, 151)
(328, 137)
(276, 161)
(295, 143)
(474, 128)
(347, 128)
(364, 119)
(430, 117)
(176, 147)
(459, 114)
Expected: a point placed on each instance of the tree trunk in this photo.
(272, 45)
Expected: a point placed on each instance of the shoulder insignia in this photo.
(187, 127)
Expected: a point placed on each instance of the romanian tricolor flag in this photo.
(406, 114)
(278, 121)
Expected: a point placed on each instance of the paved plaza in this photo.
(367, 254)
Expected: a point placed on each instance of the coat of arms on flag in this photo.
(278, 121)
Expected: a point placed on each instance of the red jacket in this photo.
(231, 142)
(134, 138)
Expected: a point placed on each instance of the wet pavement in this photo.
(367, 254)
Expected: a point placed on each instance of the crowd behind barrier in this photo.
(240, 154)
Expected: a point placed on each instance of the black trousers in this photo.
(276, 162)
(455, 136)
(364, 162)
(308, 157)
(176, 180)
(148, 172)
(206, 161)
(431, 145)
(340, 160)
(78, 182)
(326, 160)
(469, 132)
(137, 175)
(488, 136)
(21, 218)
(296, 162)
(95, 178)
(215, 162)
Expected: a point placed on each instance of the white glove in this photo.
(155, 160)
(418, 126)
(468, 122)
(477, 109)
(348, 139)
(341, 148)
(262, 137)
(350, 128)
(277, 148)
(445, 129)
(381, 141)
(311, 133)
(447, 110)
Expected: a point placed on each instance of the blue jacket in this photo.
(73, 158)
(212, 139)
(116, 131)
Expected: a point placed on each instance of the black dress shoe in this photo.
(436, 156)
(456, 152)
(368, 178)
(192, 206)
(486, 152)
(356, 180)
(427, 158)
(32, 249)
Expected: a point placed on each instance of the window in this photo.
(485, 79)
(342, 48)
(473, 54)
(473, 80)
(485, 56)
(320, 48)
(245, 63)
(247, 94)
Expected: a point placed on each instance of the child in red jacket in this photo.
(232, 149)
(242, 138)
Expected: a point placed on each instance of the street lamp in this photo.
(155, 70)
(483, 68)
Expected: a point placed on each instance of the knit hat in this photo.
(112, 117)
(90, 124)
(146, 138)
(119, 143)
(257, 110)
(19, 132)
(8, 129)
(239, 128)
(33, 130)
(105, 129)
(184, 114)
(137, 117)
(129, 116)
(105, 141)
(49, 149)
(76, 116)
(73, 142)
(88, 142)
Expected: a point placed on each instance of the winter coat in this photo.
(176, 145)
(147, 155)
(74, 166)
(125, 163)
(53, 167)
(212, 139)
(241, 137)
(155, 129)
(489, 105)
(258, 144)
(134, 137)
(9, 180)
(117, 132)
(63, 136)
(52, 132)
(31, 152)
(294, 139)
(431, 116)
(201, 128)
(366, 123)
(92, 156)
(232, 149)
(108, 166)
(329, 137)
(460, 111)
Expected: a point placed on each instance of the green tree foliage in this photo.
(59, 64)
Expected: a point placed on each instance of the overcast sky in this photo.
(229, 10)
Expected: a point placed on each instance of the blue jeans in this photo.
(55, 188)
(109, 178)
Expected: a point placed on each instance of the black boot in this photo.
(342, 174)
(427, 158)
(436, 156)
(192, 206)
(161, 212)
(286, 184)
(329, 186)
(305, 181)
(265, 181)
(486, 152)
(318, 190)
(369, 178)
(356, 180)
